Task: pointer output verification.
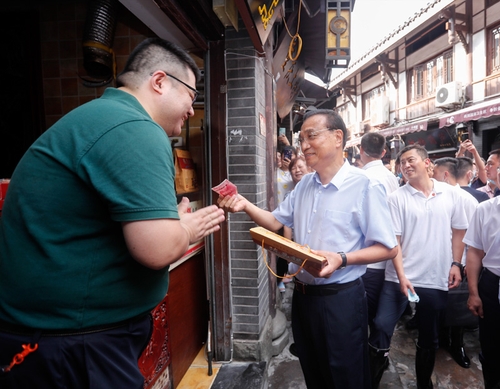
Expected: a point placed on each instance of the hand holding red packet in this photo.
(226, 188)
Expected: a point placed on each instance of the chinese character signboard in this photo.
(289, 74)
(264, 14)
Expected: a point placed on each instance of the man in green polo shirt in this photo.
(90, 225)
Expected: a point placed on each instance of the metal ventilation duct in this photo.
(98, 34)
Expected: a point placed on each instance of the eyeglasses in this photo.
(196, 93)
(311, 135)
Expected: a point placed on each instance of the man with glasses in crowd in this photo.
(342, 215)
(89, 227)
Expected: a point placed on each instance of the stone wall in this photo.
(247, 164)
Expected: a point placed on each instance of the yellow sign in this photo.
(338, 26)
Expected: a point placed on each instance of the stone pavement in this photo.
(284, 370)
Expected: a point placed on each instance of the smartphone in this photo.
(464, 136)
(287, 154)
(282, 131)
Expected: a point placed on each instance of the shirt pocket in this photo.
(335, 228)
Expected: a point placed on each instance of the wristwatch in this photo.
(344, 260)
(458, 264)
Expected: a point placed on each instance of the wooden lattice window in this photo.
(368, 97)
(494, 50)
(427, 77)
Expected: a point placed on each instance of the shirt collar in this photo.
(377, 162)
(339, 177)
(437, 187)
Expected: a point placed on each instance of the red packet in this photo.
(226, 188)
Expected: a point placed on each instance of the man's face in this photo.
(413, 166)
(491, 167)
(320, 145)
(176, 103)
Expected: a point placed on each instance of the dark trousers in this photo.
(489, 332)
(391, 306)
(330, 334)
(281, 268)
(101, 360)
(373, 280)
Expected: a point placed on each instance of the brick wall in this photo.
(246, 102)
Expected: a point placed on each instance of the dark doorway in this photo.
(21, 95)
(491, 141)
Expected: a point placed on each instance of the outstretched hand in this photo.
(200, 223)
(232, 203)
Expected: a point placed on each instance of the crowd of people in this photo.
(387, 242)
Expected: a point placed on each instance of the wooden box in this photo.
(285, 248)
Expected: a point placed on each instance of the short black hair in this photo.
(373, 144)
(464, 165)
(155, 54)
(495, 152)
(420, 150)
(451, 164)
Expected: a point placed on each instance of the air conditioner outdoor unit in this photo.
(379, 109)
(448, 94)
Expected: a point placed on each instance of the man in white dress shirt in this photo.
(372, 150)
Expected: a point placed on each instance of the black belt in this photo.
(27, 331)
(322, 290)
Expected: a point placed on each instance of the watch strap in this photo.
(344, 260)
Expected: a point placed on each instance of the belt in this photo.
(20, 330)
(322, 290)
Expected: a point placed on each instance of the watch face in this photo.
(338, 25)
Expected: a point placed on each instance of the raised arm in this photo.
(160, 242)
(238, 203)
(467, 145)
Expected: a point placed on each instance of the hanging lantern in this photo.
(338, 33)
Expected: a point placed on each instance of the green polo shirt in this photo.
(64, 263)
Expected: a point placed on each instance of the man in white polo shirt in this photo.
(483, 273)
(424, 214)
